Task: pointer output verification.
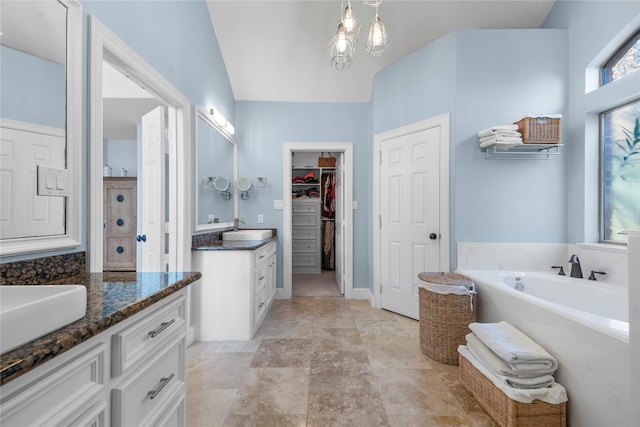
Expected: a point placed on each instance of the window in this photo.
(624, 61)
(620, 171)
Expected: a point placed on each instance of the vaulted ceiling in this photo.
(278, 50)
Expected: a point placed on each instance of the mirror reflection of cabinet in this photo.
(215, 159)
(119, 224)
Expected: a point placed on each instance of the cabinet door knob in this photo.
(120, 198)
(433, 236)
(141, 237)
(120, 222)
(120, 249)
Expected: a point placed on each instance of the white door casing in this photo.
(107, 46)
(339, 223)
(411, 227)
(152, 192)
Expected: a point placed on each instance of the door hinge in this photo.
(166, 134)
(380, 157)
(166, 227)
(380, 221)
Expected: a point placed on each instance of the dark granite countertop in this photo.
(235, 245)
(111, 298)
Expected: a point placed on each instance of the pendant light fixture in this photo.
(343, 43)
(377, 43)
(341, 49)
(351, 23)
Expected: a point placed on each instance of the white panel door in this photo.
(340, 221)
(409, 216)
(151, 234)
(23, 213)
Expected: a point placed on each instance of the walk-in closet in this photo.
(313, 221)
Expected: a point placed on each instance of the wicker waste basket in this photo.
(446, 309)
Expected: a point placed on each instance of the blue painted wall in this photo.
(262, 128)
(485, 78)
(32, 89)
(595, 30)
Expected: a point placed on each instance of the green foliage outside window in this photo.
(620, 171)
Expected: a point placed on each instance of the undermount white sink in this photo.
(246, 235)
(31, 311)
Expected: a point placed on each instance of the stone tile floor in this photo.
(326, 361)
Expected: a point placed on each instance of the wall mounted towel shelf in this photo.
(523, 152)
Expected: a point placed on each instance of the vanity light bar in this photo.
(222, 121)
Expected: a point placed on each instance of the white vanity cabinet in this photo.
(235, 292)
(130, 374)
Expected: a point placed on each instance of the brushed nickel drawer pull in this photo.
(260, 305)
(163, 326)
(163, 382)
(261, 278)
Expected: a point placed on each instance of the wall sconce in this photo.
(222, 121)
(244, 184)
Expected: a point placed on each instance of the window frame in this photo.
(606, 76)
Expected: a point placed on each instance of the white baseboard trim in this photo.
(281, 293)
(362, 293)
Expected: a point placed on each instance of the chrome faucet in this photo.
(576, 270)
(236, 222)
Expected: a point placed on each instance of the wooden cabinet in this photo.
(119, 197)
(235, 292)
(306, 237)
(130, 374)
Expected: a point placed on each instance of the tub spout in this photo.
(576, 270)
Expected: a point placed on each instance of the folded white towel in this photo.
(519, 351)
(501, 134)
(496, 364)
(554, 394)
(503, 142)
(551, 116)
(540, 381)
(489, 131)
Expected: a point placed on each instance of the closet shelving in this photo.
(522, 152)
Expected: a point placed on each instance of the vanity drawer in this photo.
(304, 233)
(61, 395)
(304, 220)
(260, 278)
(304, 260)
(141, 339)
(263, 253)
(260, 305)
(303, 246)
(305, 208)
(139, 400)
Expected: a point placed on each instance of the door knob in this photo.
(433, 236)
(141, 237)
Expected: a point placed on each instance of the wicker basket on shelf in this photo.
(539, 130)
(444, 317)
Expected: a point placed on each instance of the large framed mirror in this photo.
(215, 172)
(41, 125)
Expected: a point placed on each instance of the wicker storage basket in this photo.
(444, 318)
(539, 130)
(505, 411)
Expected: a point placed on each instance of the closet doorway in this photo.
(317, 219)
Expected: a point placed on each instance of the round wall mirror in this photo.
(221, 183)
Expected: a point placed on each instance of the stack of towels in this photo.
(502, 135)
(513, 362)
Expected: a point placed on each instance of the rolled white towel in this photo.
(519, 351)
(496, 364)
(489, 131)
(503, 142)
